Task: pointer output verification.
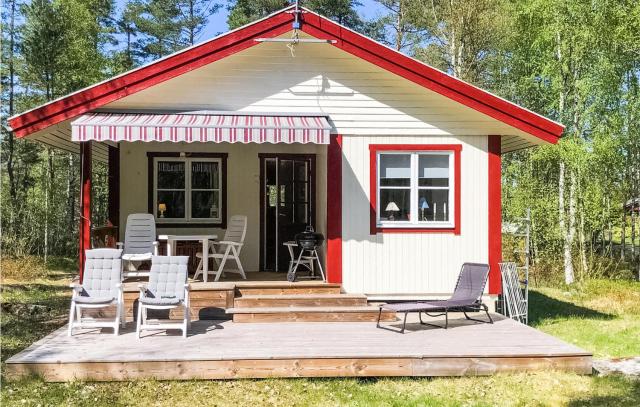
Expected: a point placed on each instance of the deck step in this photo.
(300, 300)
(286, 288)
(310, 314)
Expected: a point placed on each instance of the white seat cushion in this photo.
(137, 256)
(160, 301)
(81, 299)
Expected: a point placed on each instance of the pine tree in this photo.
(242, 12)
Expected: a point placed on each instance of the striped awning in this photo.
(201, 127)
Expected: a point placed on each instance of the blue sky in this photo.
(218, 22)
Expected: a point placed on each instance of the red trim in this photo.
(152, 74)
(432, 78)
(315, 25)
(84, 233)
(373, 193)
(334, 209)
(495, 214)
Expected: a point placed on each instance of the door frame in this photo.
(312, 185)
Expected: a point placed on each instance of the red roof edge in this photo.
(156, 72)
(433, 79)
(278, 23)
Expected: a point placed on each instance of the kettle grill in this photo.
(308, 241)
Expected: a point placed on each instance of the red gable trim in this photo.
(279, 23)
(432, 78)
(149, 75)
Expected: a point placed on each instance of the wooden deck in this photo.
(226, 350)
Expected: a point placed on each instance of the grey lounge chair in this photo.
(467, 297)
(101, 287)
(167, 289)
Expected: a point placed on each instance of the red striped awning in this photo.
(217, 128)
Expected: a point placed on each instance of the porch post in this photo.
(334, 210)
(113, 205)
(84, 233)
(495, 213)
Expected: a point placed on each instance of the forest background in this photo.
(575, 61)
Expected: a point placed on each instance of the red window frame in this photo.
(374, 149)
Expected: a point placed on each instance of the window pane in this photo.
(433, 205)
(173, 202)
(395, 170)
(301, 213)
(205, 204)
(395, 204)
(300, 170)
(433, 170)
(300, 191)
(204, 175)
(170, 175)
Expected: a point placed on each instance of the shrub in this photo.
(23, 268)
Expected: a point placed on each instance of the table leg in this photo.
(170, 247)
(205, 259)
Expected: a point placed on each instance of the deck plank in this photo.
(216, 350)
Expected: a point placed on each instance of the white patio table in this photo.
(171, 247)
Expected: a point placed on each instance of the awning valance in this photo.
(217, 128)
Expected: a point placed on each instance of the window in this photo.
(188, 189)
(415, 188)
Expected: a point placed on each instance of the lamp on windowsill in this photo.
(423, 205)
(391, 208)
(162, 208)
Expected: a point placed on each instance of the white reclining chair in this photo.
(101, 287)
(227, 249)
(139, 243)
(167, 289)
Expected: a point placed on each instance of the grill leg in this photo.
(315, 252)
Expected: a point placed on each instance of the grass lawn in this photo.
(601, 316)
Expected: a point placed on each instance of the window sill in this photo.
(416, 229)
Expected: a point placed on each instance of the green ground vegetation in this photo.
(600, 315)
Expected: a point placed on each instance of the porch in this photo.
(226, 350)
(193, 179)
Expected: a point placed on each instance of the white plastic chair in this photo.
(167, 289)
(227, 249)
(139, 243)
(101, 287)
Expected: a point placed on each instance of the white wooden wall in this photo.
(411, 263)
(365, 104)
(359, 97)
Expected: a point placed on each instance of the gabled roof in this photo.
(105, 92)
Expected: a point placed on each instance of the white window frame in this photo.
(187, 179)
(414, 221)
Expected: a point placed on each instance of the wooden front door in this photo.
(287, 204)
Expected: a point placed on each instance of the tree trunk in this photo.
(566, 232)
(46, 205)
(623, 235)
(10, 138)
(399, 33)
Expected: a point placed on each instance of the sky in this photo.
(218, 21)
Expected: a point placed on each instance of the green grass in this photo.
(601, 316)
(545, 388)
